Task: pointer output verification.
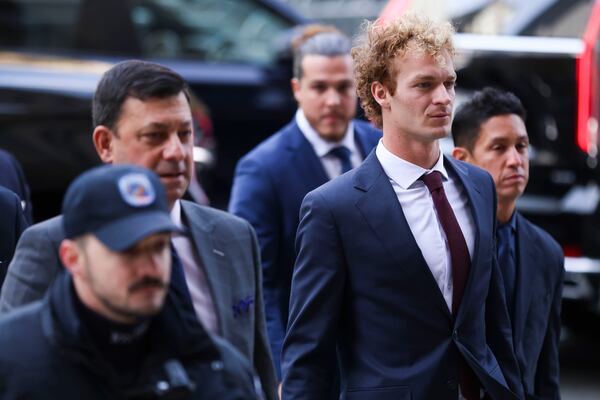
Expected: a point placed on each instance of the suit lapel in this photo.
(382, 211)
(308, 166)
(527, 254)
(211, 255)
(476, 204)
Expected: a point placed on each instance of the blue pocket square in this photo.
(242, 306)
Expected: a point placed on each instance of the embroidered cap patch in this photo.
(136, 190)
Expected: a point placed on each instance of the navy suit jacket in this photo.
(12, 224)
(269, 185)
(13, 178)
(536, 317)
(361, 281)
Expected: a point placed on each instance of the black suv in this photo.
(233, 53)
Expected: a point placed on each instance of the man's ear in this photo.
(295, 83)
(70, 255)
(460, 153)
(103, 141)
(380, 94)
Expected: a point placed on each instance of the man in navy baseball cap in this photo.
(117, 247)
(99, 333)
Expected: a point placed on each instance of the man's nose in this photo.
(332, 98)
(442, 95)
(514, 157)
(174, 148)
(152, 263)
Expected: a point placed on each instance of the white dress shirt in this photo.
(420, 213)
(331, 164)
(194, 275)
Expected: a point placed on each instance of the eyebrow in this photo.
(327, 82)
(495, 139)
(429, 77)
(159, 125)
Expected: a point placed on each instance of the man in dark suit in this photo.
(142, 116)
(489, 131)
(395, 272)
(12, 224)
(13, 178)
(271, 181)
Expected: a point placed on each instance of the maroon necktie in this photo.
(461, 263)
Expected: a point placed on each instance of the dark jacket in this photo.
(12, 224)
(536, 319)
(13, 178)
(46, 353)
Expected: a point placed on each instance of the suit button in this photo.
(452, 385)
(455, 334)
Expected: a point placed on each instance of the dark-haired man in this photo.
(110, 328)
(489, 131)
(141, 114)
(321, 142)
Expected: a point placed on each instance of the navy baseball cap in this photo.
(119, 204)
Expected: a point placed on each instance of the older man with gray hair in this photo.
(321, 142)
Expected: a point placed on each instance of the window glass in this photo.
(38, 24)
(561, 18)
(212, 30)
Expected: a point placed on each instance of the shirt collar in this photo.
(405, 173)
(321, 146)
(512, 222)
(176, 214)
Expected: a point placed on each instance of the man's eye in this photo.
(450, 84)
(153, 136)
(424, 85)
(344, 88)
(159, 247)
(185, 135)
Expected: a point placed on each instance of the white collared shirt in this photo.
(419, 210)
(331, 164)
(194, 275)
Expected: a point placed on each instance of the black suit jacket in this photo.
(536, 317)
(12, 224)
(13, 178)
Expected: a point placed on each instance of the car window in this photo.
(37, 24)
(213, 30)
(210, 30)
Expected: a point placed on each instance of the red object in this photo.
(393, 9)
(572, 251)
(587, 90)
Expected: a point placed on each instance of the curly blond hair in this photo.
(380, 44)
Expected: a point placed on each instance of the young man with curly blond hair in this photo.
(395, 272)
